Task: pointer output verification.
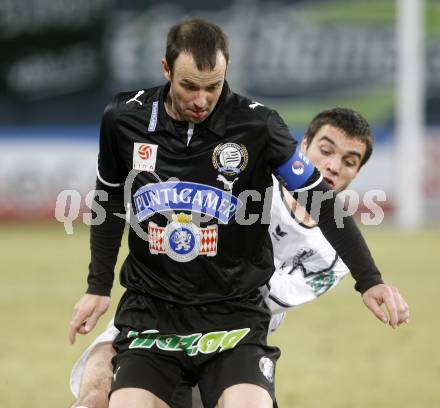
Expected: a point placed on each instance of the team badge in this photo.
(230, 158)
(182, 240)
(267, 368)
(144, 156)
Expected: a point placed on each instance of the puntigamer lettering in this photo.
(199, 198)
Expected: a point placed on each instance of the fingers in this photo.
(395, 305)
(374, 306)
(86, 314)
(91, 321)
(76, 324)
(402, 307)
(390, 304)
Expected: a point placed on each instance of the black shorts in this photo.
(167, 348)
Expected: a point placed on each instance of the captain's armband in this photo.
(295, 172)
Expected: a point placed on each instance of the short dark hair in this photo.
(200, 38)
(350, 121)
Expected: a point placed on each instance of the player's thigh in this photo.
(135, 398)
(196, 398)
(235, 371)
(162, 374)
(245, 395)
(98, 372)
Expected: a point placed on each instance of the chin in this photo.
(342, 188)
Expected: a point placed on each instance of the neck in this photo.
(298, 211)
(302, 215)
(169, 107)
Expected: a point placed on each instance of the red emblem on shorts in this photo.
(145, 151)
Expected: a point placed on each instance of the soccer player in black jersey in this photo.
(195, 161)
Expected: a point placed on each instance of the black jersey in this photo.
(186, 190)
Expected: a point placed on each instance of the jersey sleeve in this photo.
(105, 240)
(110, 170)
(282, 144)
(286, 291)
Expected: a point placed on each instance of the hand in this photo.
(398, 310)
(86, 313)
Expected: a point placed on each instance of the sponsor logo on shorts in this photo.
(116, 373)
(267, 368)
(191, 344)
(144, 156)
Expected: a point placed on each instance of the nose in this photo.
(200, 100)
(333, 165)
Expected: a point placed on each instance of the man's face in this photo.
(194, 93)
(335, 155)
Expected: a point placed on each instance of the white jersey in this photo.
(306, 266)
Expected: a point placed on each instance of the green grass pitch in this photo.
(334, 352)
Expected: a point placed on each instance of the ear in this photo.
(166, 69)
(304, 144)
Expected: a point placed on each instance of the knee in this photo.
(93, 399)
(245, 395)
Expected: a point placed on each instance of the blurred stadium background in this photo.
(60, 64)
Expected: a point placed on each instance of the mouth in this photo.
(330, 182)
(197, 114)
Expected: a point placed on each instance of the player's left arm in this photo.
(297, 174)
(349, 244)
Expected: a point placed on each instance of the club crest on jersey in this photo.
(144, 156)
(230, 158)
(181, 240)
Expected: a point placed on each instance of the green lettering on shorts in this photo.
(190, 344)
(233, 337)
(145, 340)
(187, 344)
(210, 342)
(174, 342)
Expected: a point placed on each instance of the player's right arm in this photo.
(105, 238)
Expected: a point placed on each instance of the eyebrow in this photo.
(350, 152)
(189, 82)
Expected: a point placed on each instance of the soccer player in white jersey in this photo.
(338, 142)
